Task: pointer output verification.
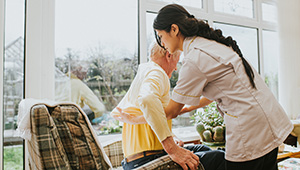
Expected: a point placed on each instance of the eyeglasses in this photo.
(158, 40)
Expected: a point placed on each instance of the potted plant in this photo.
(210, 125)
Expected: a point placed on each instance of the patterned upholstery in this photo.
(115, 155)
(164, 162)
(62, 140)
(45, 148)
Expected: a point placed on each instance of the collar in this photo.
(187, 44)
(158, 67)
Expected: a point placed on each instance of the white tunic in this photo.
(255, 122)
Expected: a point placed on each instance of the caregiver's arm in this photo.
(172, 111)
(203, 102)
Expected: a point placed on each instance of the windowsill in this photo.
(186, 134)
(108, 139)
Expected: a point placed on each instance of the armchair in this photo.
(63, 138)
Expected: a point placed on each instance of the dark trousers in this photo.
(210, 159)
(266, 162)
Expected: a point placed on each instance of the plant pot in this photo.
(214, 143)
(211, 136)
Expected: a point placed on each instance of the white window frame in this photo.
(39, 49)
(39, 42)
(39, 52)
(39, 55)
(208, 13)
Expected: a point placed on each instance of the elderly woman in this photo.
(147, 97)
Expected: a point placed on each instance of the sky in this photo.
(83, 25)
(14, 20)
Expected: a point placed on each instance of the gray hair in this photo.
(156, 51)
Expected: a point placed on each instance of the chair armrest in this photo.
(114, 153)
(164, 162)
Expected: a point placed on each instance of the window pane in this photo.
(13, 157)
(246, 39)
(190, 3)
(182, 120)
(234, 7)
(95, 41)
(269, 12)
(13, 75)
(271, 59)
(149, 27)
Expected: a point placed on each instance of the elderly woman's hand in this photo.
(129, 118)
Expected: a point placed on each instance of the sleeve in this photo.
(190, 84)
(153, 88)
(114, 112)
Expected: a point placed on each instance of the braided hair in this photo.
(189, 26)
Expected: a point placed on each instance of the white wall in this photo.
(289, 61)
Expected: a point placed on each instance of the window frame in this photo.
(39, 31)
(39, 23)
(38, 53)
(208, 13)
(39, 49)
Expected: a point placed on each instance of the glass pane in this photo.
(269, 12)
(271, 59)
(246, 39)
(190, 3)
(13, 75)
(13, 157)
(96, 53)
(182, 120)
(235, 7)
(150, 32)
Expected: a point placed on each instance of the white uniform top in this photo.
(255, 122)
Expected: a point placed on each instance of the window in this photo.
(98, 46)
(13, 78)
(246, 39)
(100, 39)
(245, 29)
(190, 3)
(269, 12)
(150, 32)
(182, 120)
(271, 59)
(235, 7)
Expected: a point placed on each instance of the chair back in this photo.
(62, 138)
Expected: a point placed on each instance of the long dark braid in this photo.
(189, 26)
